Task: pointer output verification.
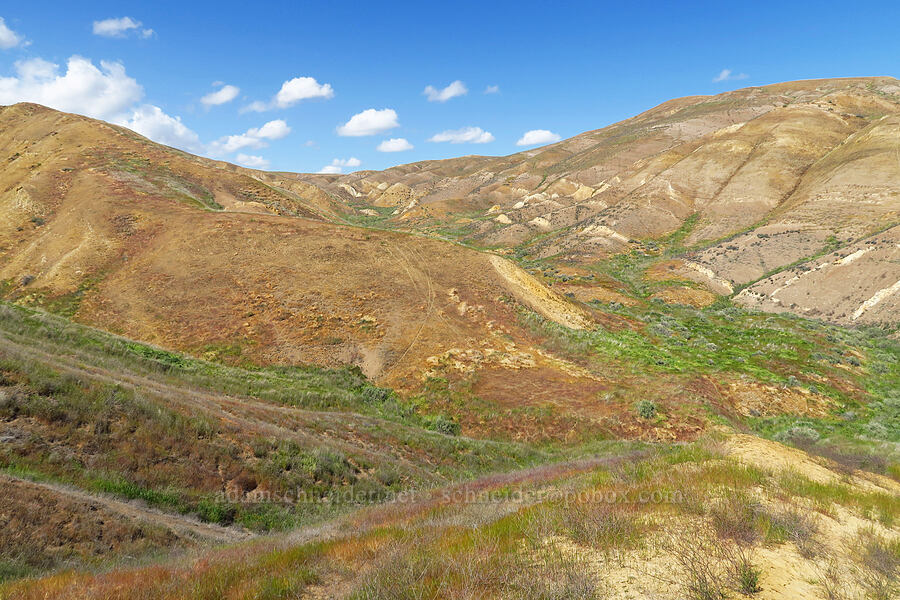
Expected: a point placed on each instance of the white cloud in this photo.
(256, 106)
(118, 28)
(252, 161)
(457, 88)
(254, 137)
(301, 88)
(273, 130)
(226, 93)
(538, 136)
(728, 75)
(8, 37)
(293, 91)
(369, 122)
(338, 164)
(492, 89)
(394, 145)
(151, 122)
(472, 135)
(105, 93)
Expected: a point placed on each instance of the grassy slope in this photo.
(858, 370)
(578, 530)
(109, 415)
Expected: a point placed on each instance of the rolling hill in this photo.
(700, 301)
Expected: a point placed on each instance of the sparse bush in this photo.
(746, 576)
(795, 526)
(600, 526)
(443, 424)
(703, 576)
(646, 409)
(798, 435)
(734, 518)
(879, 565)
(831, 581)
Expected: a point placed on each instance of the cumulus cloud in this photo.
(729, 75)
(492, 89)
(151, 122)
(8, 37)
(252, 161)
(119, 28)
(338, 164)
(255, 137)
(224, 94)
(369, 122)
(293, 91)
(301, 88)
(457, 88)
(106, 92)
(538, 136)
(394, 145)
(470, 135)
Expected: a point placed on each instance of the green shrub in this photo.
(375, 395)
(747, 577)
(646, 409)
(443, 424)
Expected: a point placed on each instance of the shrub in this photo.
(746, 576)
(375, 395)
(795, 526)
(443, 424)
(601, 526)
(216, 512)
(735, 517)
(701, 571)
(798, 435)
(646, 409)
(879, 565)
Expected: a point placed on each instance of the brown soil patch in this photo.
(686, 295)
(758, 399)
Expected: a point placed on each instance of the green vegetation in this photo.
(162, 178)
(646, 409)
(554, 532)
(111, 415)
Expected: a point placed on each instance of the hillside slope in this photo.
(767, 177)
(228, 264)
(106, 227)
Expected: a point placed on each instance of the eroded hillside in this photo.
(492, 348)
(770, 177)
(556, 331)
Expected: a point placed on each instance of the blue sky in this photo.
(557, 69)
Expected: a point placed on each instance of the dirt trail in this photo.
(181, 525)
(246, 413)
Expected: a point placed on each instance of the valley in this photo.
(429, 381)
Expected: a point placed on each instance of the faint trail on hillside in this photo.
(181, 525)
(429, 294)
(238, 411)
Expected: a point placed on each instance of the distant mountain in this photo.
(791, 191)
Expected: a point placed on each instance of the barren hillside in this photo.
(768, 178)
